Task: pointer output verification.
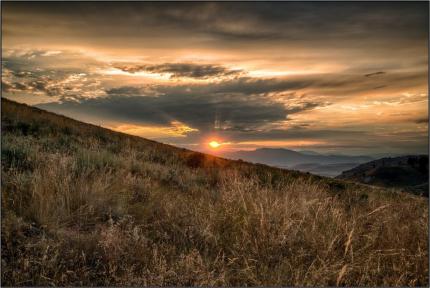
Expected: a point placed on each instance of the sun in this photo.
(214, 144)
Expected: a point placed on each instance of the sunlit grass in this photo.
(82, 205)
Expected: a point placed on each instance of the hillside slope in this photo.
(410, 173)
(83, 205)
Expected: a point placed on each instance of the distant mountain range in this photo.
(306, 161)
(408, 172)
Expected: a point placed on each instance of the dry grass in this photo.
(86, 206)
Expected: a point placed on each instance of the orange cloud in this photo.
(177, 129)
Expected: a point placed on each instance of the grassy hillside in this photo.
(410, 173)
(82, 205)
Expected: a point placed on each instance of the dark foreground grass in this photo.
(82, 205)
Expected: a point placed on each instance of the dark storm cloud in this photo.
(198, 113)
(242, 86)
(335, 84)
(228, 21)
(125, 91)
(295, 21)
(176, 70)
(239, 104)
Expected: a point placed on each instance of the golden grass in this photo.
(86, 206)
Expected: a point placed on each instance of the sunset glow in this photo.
(257, 74)
(214, 144)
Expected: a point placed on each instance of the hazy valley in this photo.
(307, 161)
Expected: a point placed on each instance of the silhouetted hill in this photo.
(407, 172)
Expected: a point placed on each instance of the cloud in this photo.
(125, 91)
(375, 74)
(51, 73)
(423, 120)
(70, 75)
(51, 85)
(34, 86)
(176, 70)
(224, 21)
(6, 86)
(234, 105)
(240, 86)
(196, 112)
(351, 60)
(13, 87)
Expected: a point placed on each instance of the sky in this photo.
(331, 77)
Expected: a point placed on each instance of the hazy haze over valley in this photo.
(308, 161)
